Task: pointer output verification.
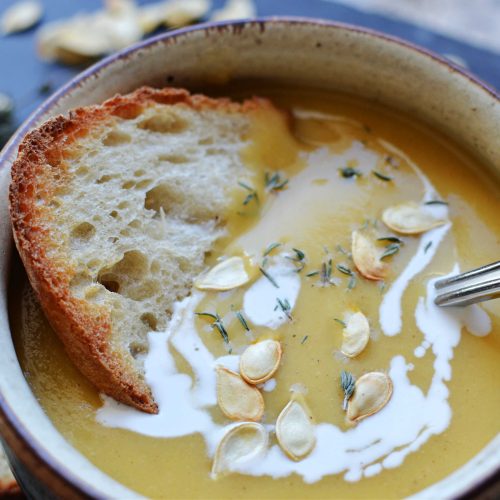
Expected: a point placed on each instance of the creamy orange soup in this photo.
(341, 162)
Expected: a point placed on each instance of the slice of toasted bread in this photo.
(113, 209)
(8, 484)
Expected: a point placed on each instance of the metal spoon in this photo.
(467, 288)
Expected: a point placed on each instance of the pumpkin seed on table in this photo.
(410, 218)
(21, 16)
(356, 335)
(366, 257)
(237, 399)
(295, 429)
(371, 393)
(239, 445)
(260, 361)
(226, 275)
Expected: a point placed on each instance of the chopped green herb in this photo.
(352, 282)
(326, 272)
(312, 273)
(269, 277)
(298, 259)
(436, 202)
(381, 176)
(390, 250)
(270, 248)
(348, 384)
(344, 269)
(427, 246)
(253, 195)
(217, 323)
(274, 182)
(343, 323)
(285, 307)
(349, 172)
(300, 254)
(242, 320)
(392, 239)
(304, 339)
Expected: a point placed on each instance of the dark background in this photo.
(28, 80)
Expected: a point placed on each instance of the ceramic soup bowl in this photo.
(301, 52)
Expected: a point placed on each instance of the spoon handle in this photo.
(467, 288)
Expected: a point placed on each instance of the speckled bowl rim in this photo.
(68, 477)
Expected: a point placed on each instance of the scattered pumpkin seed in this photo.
(260, 361)
(226, 275)
(366, 257)
(235, 9)
(240, 444)
(295, 429)
(172, 13)
(21, 16)
(371, 393)
(237, 399)
(356, 335)
(409, 218)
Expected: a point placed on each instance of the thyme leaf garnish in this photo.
(275, 183)
(352, 282)
(285, 307)
(312, 273)
(348, 384)
(344, 269)
(242, 320)
(348, 172)
(270, 248)
(390, 250)
(436, 202)
(304, 339)
(326, 272)
(217, 323)
(382, 177)
(269, 277)
(427, 246)
(252, 195)
(343, 323)
(392, 239)
(298, 259)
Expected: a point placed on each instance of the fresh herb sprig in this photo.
(436, 202)
(242, 320)
(270, 248)
(252, 195)
(217, 323)
(275, 182)
(348, 172)
(298, 259)
(390, 249)
(285, 306)
(340, 322)
(382, 177)
(269, 277)
(391, 239)
(348, 384)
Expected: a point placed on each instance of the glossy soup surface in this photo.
(316, 212)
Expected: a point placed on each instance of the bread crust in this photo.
(40, 168)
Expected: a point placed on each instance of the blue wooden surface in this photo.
(28, 80)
